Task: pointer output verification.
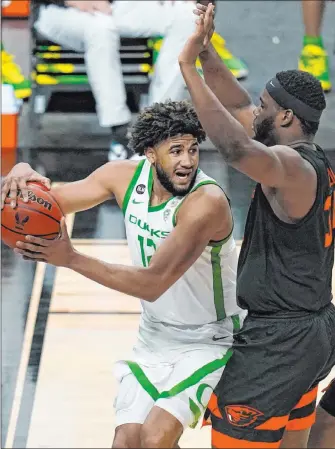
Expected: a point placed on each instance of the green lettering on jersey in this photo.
(144, 226)
(155, 233)
(132, 219)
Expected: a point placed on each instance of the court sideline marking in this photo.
(27, 342)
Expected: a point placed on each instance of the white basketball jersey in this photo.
(192, 308)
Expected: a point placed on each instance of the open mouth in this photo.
(183, 175)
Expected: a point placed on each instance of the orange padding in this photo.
(274, 423)
(307, 398)
(9, 132)
(301, 423)
(224, 441)
(213, 406)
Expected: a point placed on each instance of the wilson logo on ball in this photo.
(36, 199)
(20, 222)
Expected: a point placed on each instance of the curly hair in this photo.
(306, 88)
(162, 121)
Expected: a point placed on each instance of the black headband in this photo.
(288, 101)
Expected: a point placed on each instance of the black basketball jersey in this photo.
(288, 267)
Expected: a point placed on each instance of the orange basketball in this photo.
(39, 217)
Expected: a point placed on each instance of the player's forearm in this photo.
(226, 133)
(133, 281)
(222, 82)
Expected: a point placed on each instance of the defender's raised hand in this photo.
(200, 39)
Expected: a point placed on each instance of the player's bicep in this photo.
(86, 193)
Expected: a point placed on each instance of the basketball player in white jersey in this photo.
(179, 230)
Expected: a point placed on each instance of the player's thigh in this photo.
(72, 28)
(323, 432)
(304, 416)
(272, 367)
(192, 382)
(157, 18)
(295, 438)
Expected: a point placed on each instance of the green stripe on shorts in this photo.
(193, 379)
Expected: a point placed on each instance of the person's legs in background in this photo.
(11, 74)
(314, 58)
(97, 36)
(167, 82)
(179, 24)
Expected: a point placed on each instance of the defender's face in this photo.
(176, 161)
(264, 124)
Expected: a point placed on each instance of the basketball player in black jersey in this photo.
(267, 394)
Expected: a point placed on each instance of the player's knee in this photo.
(101, 35)
(152, 437)
(125, 439)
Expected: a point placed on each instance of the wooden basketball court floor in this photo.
(86, 328)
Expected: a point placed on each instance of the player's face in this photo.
(265, 121)
(176, 163)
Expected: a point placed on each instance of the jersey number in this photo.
(329, 203)
(331, 219)
(145, 245)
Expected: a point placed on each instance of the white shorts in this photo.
(182, 388)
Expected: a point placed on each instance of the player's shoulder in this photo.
(207, 198)
(210, 192)
(124, 169)
(296, 164)
(127, 165)
(289, 153)
(116, 176)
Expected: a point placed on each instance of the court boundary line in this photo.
(28, 336)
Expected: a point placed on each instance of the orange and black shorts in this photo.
(270, 383)
(327, 401)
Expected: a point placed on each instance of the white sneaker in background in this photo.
(117, 152)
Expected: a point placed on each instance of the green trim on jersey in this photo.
(217, 282)
(174, 219)
(193, 379)
(236, 323)
(150, 182)
(159, 206)
(220, 242)
(132, 185)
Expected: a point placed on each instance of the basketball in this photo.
(39, 217)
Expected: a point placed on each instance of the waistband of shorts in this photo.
(292, 315)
